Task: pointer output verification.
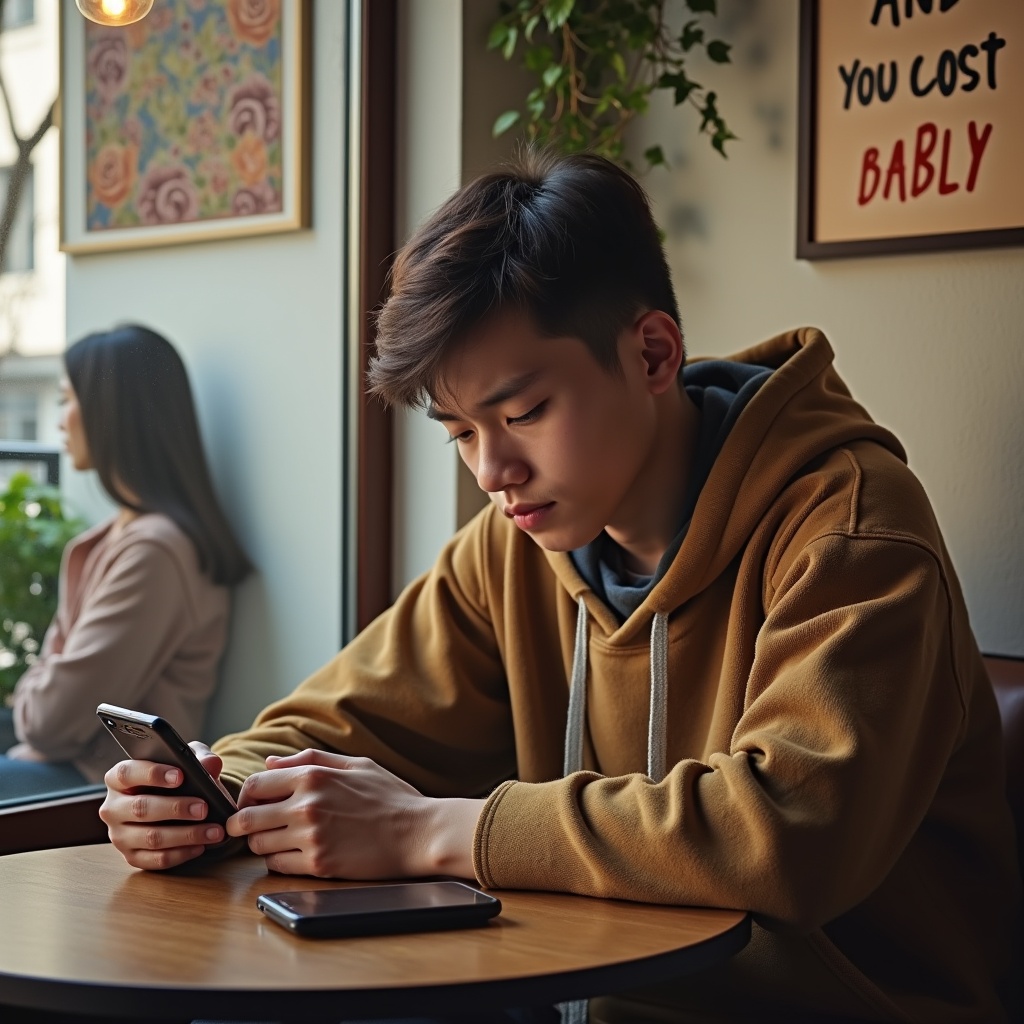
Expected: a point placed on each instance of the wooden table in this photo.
(80, 931)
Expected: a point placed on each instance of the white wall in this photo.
(932, 344)
(259, 322)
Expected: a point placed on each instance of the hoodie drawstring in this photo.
(575, 1012)
(573, 758)
(656, 727)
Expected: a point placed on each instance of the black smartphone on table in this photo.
(379, 909)
(152, 738)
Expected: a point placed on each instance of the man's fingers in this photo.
(161, 860)
(169, 838)
(207, 758)
(266, 787)
(258, 817)
(148, 807)
(267, 843)
(128, 775)
(285, 775)
(291, 862)
(311, 756)
(129, 807)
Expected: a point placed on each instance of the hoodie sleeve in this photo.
(126, 632)
(422, 690)
(852, 708)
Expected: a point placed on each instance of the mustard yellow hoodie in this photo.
(796, 721)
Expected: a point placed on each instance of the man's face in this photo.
(559, 444)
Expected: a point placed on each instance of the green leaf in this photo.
(720, 138)
(537, 58)
(510, 43)
(636, 101)
(691, 35)
(551, 75)
(618, 65)
(531, 25)
(557, 12)
(702, 6)
(504, 121)
(655, 156)
(719, 51)
(710, 110)
(498, 35)
(683, 88)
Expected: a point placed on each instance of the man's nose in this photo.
(499, 466)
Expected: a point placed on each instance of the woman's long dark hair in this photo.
(143, 438)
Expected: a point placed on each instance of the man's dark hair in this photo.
(568, 240)
(143, 437)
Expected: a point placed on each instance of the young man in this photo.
(705, 646)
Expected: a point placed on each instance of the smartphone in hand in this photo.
(151, 738)
(379, 909)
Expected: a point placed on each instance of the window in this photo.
(18, 416)
(18, 13)
(21, 243)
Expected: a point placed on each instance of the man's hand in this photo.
(130, 816)
(334, 816)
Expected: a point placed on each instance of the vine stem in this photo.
(570, 49)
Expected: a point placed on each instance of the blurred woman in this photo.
(143, 597)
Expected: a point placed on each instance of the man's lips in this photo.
(524, 510)
(528, 517)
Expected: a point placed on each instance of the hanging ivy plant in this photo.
(597, 62)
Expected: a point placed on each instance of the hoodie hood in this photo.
(802, 411)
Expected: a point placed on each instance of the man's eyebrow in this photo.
(502, 393)
(510, 389)
(436, 414)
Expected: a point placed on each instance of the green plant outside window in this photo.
(34, 529)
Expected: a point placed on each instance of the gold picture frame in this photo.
(191, 125)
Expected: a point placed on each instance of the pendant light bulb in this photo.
(114, 12)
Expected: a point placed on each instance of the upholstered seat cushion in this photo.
(1007, 675)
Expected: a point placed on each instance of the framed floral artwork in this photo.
(191, 124)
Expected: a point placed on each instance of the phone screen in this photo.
(380, 899)
(375, 909)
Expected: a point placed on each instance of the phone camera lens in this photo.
(110, 722)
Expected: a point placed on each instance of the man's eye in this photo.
(464, 436)
(530, 416)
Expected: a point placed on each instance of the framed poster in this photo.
(191, 124)
(911, 134)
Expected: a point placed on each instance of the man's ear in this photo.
(663, 350)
